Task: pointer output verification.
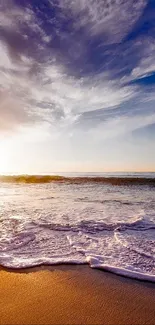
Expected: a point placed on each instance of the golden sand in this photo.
(74, 295)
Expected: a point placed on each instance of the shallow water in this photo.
(107, 226)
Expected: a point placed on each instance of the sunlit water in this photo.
(111, 227)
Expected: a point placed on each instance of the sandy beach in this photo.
(74, 295)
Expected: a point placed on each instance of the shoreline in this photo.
(74, 294)
(122, 272)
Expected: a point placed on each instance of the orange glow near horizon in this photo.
(13, 161)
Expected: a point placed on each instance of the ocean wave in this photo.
(126, 272)
(45, 243)
(138, 223)
(118, 181)
(105, 201)
(17, 241)
(130, 244)
(93, 261)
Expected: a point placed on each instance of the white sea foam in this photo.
(63, 223)
(131, 273)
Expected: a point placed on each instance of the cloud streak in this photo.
(104, 18)
(63, 59)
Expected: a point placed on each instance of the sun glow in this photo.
(6, 152)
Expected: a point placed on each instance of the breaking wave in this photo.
(139, 224)
(106, 227)
(78, 244)
(34, 179)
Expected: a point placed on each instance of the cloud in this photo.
(13, 18)
(50, 94)
(75, 96)
(11, 113)
(43, 70)
(15, 89)
(104, 17)
(115, 128)
(146, 63)
(19, 27)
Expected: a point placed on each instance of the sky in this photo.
(77, 86)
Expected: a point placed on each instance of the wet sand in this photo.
(74, 295)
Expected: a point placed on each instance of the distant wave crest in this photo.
(34, 179)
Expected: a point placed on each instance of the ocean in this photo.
(104, 220)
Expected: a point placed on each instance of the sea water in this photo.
(107, 226)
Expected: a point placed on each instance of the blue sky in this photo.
(77, 85)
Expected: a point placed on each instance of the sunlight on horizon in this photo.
(18, 158)
(11, 163)
(5, 153)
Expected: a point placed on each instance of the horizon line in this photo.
(79, 172)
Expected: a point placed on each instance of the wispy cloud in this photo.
(104, 17)
(146, 63)
(42, 73)
(74, 82)
(52, 95)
